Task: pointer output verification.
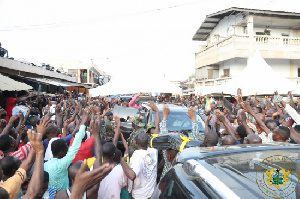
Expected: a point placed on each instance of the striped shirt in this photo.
(22, 153)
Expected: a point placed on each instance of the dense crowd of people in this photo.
(66, 146)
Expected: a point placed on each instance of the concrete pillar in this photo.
(88, 75)
(250, 28)
(291, 69)
(78, 76)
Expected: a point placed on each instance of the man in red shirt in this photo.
(12, 101)
(86, 149)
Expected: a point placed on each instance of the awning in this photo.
(57, 82)
(8, 84)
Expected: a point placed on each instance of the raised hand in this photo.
(98, 110)
(84, 180)
(35, 140)
(267, 98)
(220, 115)
(283, 103)
(117, 121)
(78, 108)
(166, 112)
(241, 116)
(290, 94)
(22, 131)
(21, 115)
(246, 106)
(95, 128)
(66, 123)
(43, 126)
(85, 116)
(3, 123)
(208, 119)
(77, 122)
(105, 111)
(153, 107)
(94, 111)
(191, 114)
(28, 111)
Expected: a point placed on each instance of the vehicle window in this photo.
(244, 170)
(125, 112)
(175, 191)
(178, 121)
(170, 187)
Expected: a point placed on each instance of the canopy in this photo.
(258, 77)
(8, 84)
(135, 84)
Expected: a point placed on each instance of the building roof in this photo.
(8, 84)
(212, 20)
(17, 68)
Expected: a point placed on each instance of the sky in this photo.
(122, 37)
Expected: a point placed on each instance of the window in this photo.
(260, 33)
(298, 72)
(74, 72)
(226, 72)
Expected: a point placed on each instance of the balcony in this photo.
(294, 79)
(212, 82)
(243, 46)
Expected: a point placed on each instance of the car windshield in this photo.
(245, 174)
(178, 121)
(126, 112)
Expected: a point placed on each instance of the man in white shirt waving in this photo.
(142, 169)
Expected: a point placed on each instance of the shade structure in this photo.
(56, 82)
(258, 77)
(135, 84)
(8, 84)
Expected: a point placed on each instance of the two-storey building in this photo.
(86, 73)
(229, 37)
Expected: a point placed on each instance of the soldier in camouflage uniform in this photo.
(108, 129)
(139, 127)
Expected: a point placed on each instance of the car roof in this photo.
(172, 107)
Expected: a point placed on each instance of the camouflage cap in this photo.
(150, 125)
(138, 120)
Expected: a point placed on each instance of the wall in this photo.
(236, 66)
(226, 28)
(275, 31)
(280, 66)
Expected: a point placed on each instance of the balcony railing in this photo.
(258, 39)
(212, 82)
(295, 79)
